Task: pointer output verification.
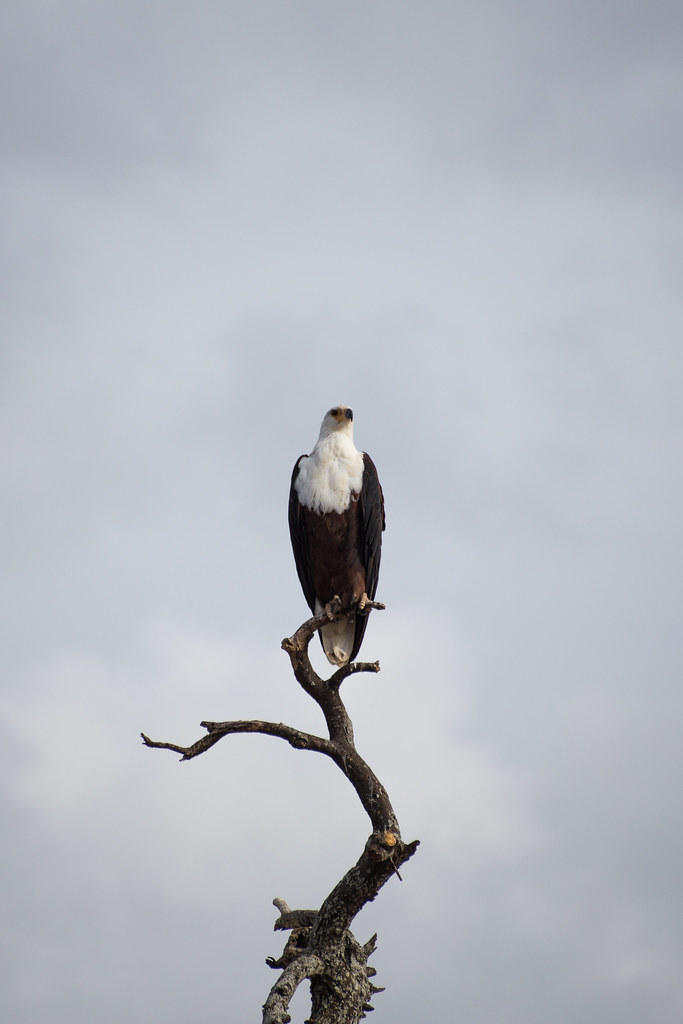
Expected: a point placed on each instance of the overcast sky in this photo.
(465, 221)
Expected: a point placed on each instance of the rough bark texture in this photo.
(320, 947)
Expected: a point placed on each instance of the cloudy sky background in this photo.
(465, 221)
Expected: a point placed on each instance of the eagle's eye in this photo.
(334, 412)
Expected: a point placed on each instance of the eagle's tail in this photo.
(337, 639)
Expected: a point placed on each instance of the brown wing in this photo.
(298, 538)
(372, 523)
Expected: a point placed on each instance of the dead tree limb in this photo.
(320, 947)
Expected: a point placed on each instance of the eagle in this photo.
(336, 519)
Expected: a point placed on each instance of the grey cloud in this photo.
(216, 223)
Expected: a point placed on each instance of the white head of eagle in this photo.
(336, 519)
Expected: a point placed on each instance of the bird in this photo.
(336, 520)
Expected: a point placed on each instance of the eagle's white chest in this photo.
(330, 475)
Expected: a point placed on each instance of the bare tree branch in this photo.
(307, 965)
(351, 668)
(320, 946)
(217, 730)
(292, 918)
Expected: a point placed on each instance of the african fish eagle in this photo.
(336, 518)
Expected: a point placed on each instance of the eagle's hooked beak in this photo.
(349, 414)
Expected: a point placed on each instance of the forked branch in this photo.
(320, 947)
